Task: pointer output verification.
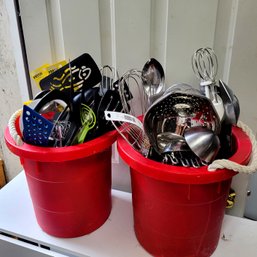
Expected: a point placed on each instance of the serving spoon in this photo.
(153, 80)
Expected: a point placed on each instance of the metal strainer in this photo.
(175, 111)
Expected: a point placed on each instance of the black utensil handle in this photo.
(225, 137)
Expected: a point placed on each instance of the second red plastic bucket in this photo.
(178, 212)
(70, 187)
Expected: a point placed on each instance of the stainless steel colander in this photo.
(176, 111)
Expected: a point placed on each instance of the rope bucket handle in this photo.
(230, 165)
(12, 129)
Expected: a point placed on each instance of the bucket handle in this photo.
(230, 165)
(12, 129)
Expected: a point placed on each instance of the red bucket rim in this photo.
(59, 154)
(169, 173)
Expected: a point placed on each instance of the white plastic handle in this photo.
(123, 117)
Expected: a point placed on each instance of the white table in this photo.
(115, 238)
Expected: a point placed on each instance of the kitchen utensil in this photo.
(88, 96)
(50, 96)
(237, 108)
(153, 79)
(232, 111)
(69, 114)
(62, 129)
(203, 142)
(182, 158)
(88, 121)
(205, 67)
(176, 151)
(131, 93)
(85, 74)
(231, 103)
(109, 102)
(190, 159)
(185, 162)
(171, 142)
(131, 129)
(91, 97)
(170, 159)
(36, 129)
(109, 76)
(175, 111)
(122, 87)
(49, 104)
(60, 132)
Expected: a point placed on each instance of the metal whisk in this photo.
(135, 105)
(109, 76)
(205, 67)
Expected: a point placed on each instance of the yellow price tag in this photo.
(46, 69)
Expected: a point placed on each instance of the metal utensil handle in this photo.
(123, 117)
(131, 129)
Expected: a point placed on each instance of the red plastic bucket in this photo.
(179, 211)
(70, 186)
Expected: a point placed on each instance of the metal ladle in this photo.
(203, 142)
(170, 142)
(153, 80)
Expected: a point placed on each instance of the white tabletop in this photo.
(116, 237)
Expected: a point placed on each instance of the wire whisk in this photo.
(131, 80)
(205, 65)
(131, 129)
